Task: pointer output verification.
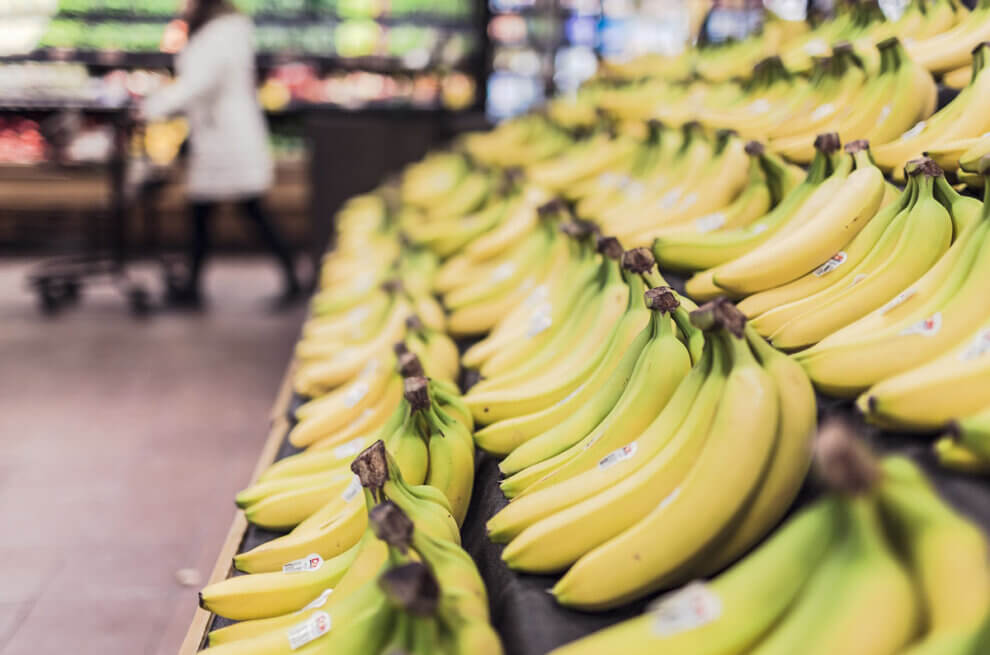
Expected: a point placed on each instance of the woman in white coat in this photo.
(228, 138)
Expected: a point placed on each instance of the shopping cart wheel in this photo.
(139, 301)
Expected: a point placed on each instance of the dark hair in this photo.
(202, 12)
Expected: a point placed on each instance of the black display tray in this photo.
(528, 619)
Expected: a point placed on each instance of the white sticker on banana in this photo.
(884, 113)
(856, 280)
(309, 630)
(633, 190)
(899, 299)
(760, 106)
(918, 128)
(709, 223)
(308, 564)
(670, 198)
(356, 393)
(503, 271)
(822, 111)
(687, 608)
(978, 347)
(317, 602)
(538, 323)
(619, 455)
(834, 262)
(927, 327)
(539, 296)
(352, 490)
(351, 448)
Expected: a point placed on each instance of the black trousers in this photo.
(254, 211)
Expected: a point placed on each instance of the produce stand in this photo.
(527, 618)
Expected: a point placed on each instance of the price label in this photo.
(312, 628)
(686, 609)
(311, 562)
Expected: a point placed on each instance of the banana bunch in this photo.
(342, 358)
(698, 252)
(815, 229)
(949, 49)
(894, 249)
(966, 444)
(406, 586)
(517, 143)
(852, 21)
(951, 131)
(880, 109)
(608, 315)
(644, 516)
(310, 493)
(433, 178)
(916, 324)
(862, 571)
(625, 395)
(375, 474)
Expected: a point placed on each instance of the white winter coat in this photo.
(215, 90)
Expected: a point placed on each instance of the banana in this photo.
(655, 373)
(708, 250)
(842, 79)
(610, 330)
(938, 283)
(732, 612)
(923, 239)
(928, 397)
(729, 165)
(669, 440)
(505, 277)
(772, 308)
(961, 118)
(324, 366)
(265, 595)
(796, 424)
(350, 412)
(540, 318)
(616, 368)
(859, 601)
(553, 354)
(972, 432)
(752, 203)
(950, 49)
(735, 456)
(953, 455)
(519, 221)
(795, 253)
(955, 590)
(451, 458)
(702, 286)
(592, 158)
(914, 98)
(944, 317)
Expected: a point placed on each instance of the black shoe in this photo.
(292, 296)
(183, 297)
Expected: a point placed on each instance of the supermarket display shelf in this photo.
(223, 568)
(302, 18)
(46, 105)
(121, 59)
(527, 618)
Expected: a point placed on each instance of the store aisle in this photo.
(121, 443)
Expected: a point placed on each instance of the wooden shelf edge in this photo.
(224, 564)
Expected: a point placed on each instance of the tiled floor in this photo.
(122, 443)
